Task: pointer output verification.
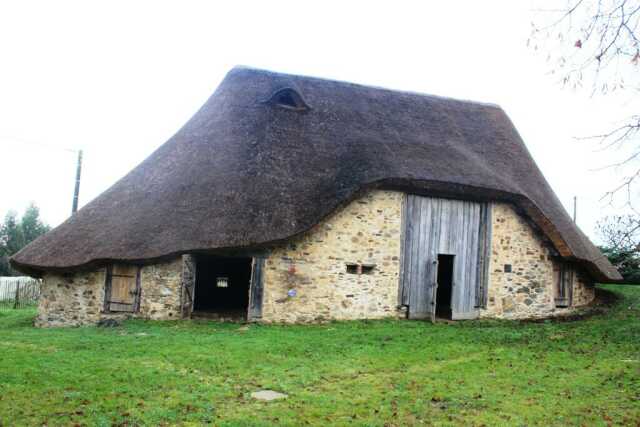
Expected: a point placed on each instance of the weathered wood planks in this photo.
(441, 226)
(256, 289)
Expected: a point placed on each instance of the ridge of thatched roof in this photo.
(245, 172)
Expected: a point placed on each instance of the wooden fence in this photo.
(19, 292)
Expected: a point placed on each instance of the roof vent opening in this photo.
(288, 98)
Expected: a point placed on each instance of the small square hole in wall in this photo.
(222, 282)
(360, 268)
(507, 268)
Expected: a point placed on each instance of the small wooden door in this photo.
(123, 288)
(422, 300)
(564, 286)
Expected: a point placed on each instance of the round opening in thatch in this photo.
(288, 98)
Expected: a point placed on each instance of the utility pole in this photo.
(575, 208)
(76, 192)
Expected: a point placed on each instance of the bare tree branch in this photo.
(598, 42)
(620, 232)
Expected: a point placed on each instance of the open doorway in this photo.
(445, 284)
(222, 287)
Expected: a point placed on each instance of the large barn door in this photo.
(436, 227)
(122, 288)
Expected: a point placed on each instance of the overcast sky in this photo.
(117, 79)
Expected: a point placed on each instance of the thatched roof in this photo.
(244, 172)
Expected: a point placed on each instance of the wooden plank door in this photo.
(564, 286)
(441, 226)
(256, 289)
(464, 243)
(123, 288)
(420, 268)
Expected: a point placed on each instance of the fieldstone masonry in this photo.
(306, 280)
(161, 290)
(529, 288)
(78, 299)
(584, 290)
(71, 300)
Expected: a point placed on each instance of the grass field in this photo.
(583, 372)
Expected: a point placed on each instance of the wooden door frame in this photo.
(256, 289)
(188, 288)
(434, 289)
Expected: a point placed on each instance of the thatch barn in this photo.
(296, 199)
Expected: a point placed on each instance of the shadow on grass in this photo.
(604, 302)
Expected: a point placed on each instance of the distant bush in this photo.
(627, 261)
(621, 237)
(16, 234)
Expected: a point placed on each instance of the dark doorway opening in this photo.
(222, 287)
(445, 285)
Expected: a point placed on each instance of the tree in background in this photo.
(14, 235)
(621, 237)
(31, 225)
(595, 44)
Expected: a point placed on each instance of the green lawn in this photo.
(583, 372)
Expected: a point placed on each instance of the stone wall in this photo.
(584, 290)
(529, 289)
(78, 299)
(313, 266)
(71, 300)
(306, 280)
(160, 286)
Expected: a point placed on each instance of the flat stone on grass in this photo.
(268, 395)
